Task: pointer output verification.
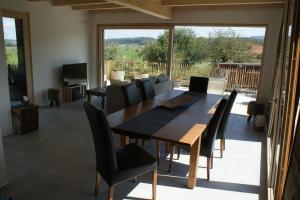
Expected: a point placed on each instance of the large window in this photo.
(134, 53)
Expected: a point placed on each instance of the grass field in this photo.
(129, 52)
(11, 54)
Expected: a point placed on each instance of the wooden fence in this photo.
(243, 79)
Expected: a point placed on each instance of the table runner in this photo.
(149, 122)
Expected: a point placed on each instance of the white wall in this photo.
(3, 179)
(209, 16)
(59, 36)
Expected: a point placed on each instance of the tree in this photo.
(227, 46)
(188, 49)
(110, 51)
(154, 52)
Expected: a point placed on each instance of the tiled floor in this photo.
(58, 162)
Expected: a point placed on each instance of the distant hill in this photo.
(136, 40)
(145, 40)
(258, 39)
(10, 43)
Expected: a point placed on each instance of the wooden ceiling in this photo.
(158, 8)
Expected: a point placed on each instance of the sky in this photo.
(9, 28)
(202, 31)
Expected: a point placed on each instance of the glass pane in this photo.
(15, 59)
(134, 53)
(230, 56)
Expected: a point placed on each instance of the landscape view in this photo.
(194, 54)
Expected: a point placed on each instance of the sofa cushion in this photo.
(162, 78)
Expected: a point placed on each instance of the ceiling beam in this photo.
(109, 6)
(218, 2)
(76, 2)
(150, 7)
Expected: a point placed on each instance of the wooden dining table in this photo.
(185, 128)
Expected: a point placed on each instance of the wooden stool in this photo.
(53, 96)
(255, 108)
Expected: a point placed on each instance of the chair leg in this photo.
(98, 182)
(211, 161)
(154, 183)
(158, 151)
(208, 168)
(167, 148)
(224, 144)
(179, 152)
(171, 157)
(110, 192)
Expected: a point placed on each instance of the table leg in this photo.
(124, 140)
(193, 167)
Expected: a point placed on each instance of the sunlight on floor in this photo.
(142, 191)
(241, 103)
(235, 176)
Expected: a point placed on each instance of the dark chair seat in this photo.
(132, 161)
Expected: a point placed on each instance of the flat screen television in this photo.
(76, 71)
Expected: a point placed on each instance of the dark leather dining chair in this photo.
(131, 97)
(198, 84)
(224, 121)
(147, 89)
(130, 94)
(208, 137)
(117, 165)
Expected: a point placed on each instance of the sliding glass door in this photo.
(133, 53)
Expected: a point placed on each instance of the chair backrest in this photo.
(103, 139)
(198, 84)
(225, 118)
(130, 94)
(147, 89)
(212, 129)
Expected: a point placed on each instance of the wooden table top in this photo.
(184, 129)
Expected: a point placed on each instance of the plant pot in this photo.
(117, 75)
(144, 76)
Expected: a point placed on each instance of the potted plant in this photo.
(118, 72)
(144, 73)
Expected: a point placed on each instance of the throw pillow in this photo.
(162, 78)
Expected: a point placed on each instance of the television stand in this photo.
(74, 92)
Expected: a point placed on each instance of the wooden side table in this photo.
(53, 96)
(99, 92)
(25, 118)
